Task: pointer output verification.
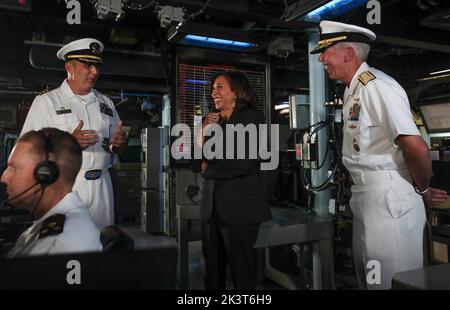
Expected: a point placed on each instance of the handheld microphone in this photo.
(6, 203)
(213, 109)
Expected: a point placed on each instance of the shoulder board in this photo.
(53, 225)
(366, 77)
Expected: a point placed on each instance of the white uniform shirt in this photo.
(63, 109)
(384, 114)
(79, 233)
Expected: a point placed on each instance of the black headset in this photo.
(46, 172)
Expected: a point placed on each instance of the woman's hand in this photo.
(212, 118)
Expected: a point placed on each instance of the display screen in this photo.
(436, 117)
(8, 115)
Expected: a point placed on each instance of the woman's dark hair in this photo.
(245, 95)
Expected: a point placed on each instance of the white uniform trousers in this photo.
(388, 226)
(98, 196)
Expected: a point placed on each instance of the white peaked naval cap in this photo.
(87, 50)
(333, 32)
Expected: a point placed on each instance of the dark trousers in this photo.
(223, 243)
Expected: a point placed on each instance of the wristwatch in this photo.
(421, 193)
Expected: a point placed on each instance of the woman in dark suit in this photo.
(233, 203)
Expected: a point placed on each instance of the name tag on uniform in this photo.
(105, 109)
(93, 174)
(63, 111)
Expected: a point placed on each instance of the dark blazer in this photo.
(234, 186)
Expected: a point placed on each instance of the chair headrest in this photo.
(115, 239)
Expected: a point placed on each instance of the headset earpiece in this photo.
(46, 172)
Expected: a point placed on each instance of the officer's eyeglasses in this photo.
(89, 64)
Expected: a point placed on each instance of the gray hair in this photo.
(361, 49)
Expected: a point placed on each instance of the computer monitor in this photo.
(436, 116)
(440, 177)
(8, 115)
(299, 112)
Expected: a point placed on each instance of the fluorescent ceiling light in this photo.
(198, 82)
(439, 72)
(215, 42)
(333, 9)
(433, 77)
(281, 106)
(442, 134)
(212, 36)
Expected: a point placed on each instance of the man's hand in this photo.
(119, 140)
(85, 138)
(435, 197)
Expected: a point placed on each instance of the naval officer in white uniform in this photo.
(90, 116)
(41, 171)
(388, 160)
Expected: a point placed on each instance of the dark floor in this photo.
(344, 279)
(197, 271)
(282, 262)
(196, 266)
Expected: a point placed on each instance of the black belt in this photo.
(93, 174)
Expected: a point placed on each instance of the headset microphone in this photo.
(45, 173)
(6, 204)
(215, 110)
(212, 108)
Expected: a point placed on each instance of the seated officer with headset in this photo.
(41, 171)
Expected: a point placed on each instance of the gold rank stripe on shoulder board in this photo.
(52, 225)
(366, 77)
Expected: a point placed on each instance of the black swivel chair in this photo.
(114, 239)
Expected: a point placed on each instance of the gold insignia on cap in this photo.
(94, 47)
(90, 57)
(324, 44)
(332, 40)
(366, 77)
